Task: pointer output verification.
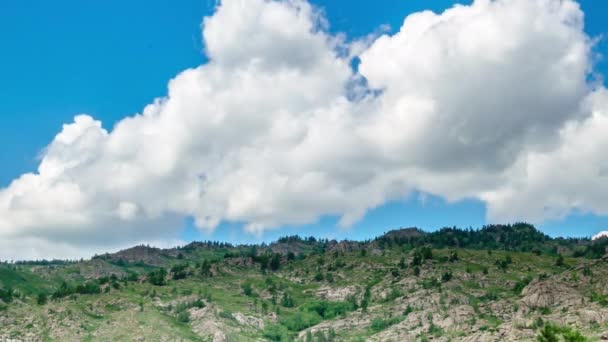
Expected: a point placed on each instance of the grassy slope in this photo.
(141, 309)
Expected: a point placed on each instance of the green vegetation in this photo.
(404, 285)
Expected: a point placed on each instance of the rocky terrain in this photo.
(500, 283)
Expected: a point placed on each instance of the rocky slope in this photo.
(404, 286)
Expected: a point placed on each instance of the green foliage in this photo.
(183, 317)
(559, 262)
(402, 264)
(430, 283)
(275, 262)
(551, 333)
(408, 310)
(157, 277)
(7, 295)
(205, 268)
(435, 330)
(393, 294)
(287, 300)
(599, 298)
(88, 288)
(328, 310)
(42, 298)
(587, 271)
(64, 290)
(291, 256)
(301, 320)
(379, 324)
(367, 297)
(454, 256)
(504, 264)
(277, 332)
(247, 288)
(179, 271)
(521, 284)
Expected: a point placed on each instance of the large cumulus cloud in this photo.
(489, 101)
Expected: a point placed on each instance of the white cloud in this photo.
(600, 235)
(489, 101)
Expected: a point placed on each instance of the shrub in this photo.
(42, 298)
(430, 283)
(88, 288)
(301, 320)
(157, 277)
(247, 289)
(521, 284)
(559, 262)
(183, 317)
(454, 257)
(7, 295)
(179, 271)
(64, 290)
(277, 332)
(379, 324)
(287, 300)
(551, 333)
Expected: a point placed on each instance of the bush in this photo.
(394, 294)
(206, 268)
(328, 310)
(301, 320)
(247, 289)
(88, 288)
(157, 277)
(42, 298)
(183, 317)
(287, 300)
(64, 290)
(277, 332)
(551, 333)
(275, 262)
(559, 262)
(408, 310)
(599, 298)
(520, 285)
(430, 283)
(7, 295)
(379, 324)
(179, 271)
(454, 257)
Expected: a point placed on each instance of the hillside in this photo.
(499, 283)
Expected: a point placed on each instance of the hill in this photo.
(501, 282)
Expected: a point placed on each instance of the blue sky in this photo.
(111, 58)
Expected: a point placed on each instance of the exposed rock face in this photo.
(242, 261)
(547, 293)
(336, 294)
(404, 233)
(357, 320)
(205, 324)
(145, 254)
(344, 246)
(461, 313)
(251, 321)
(593, 316)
